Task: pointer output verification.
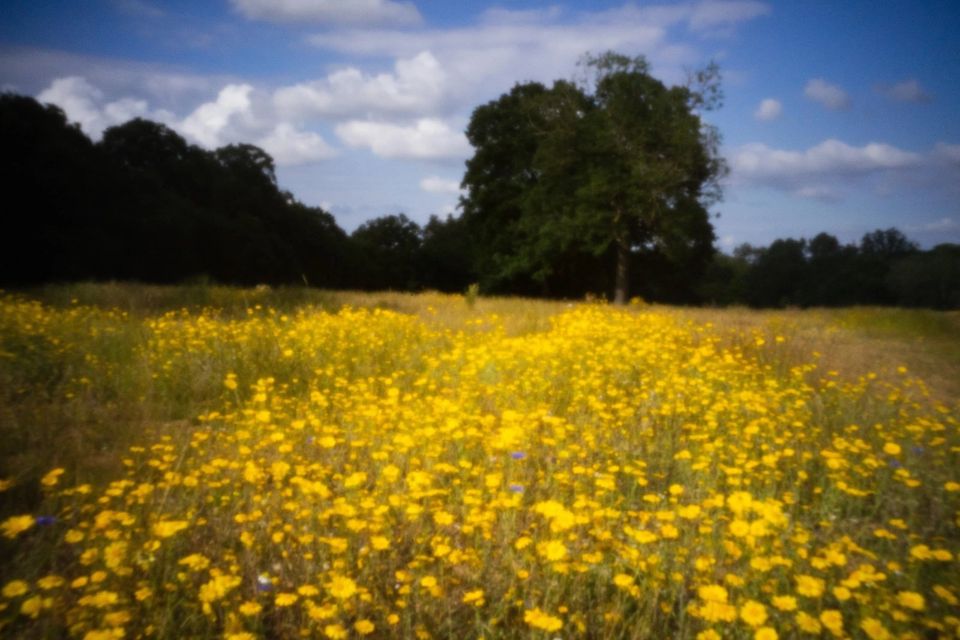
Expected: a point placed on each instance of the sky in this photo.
(841, 117)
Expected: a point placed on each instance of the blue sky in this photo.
(839, 116)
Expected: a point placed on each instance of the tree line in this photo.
(143, 204)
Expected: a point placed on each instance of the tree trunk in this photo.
(622, 285)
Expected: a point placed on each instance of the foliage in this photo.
(610, 473)
(591, 175)
(144, 204)
(884, 269)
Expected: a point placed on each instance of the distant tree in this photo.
(387, 248)
(927, 279)
(445, 261)
(830, 278)
(878, 251)
(723, 281)
(774, 279)
(887, 244)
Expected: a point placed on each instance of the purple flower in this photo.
(518, 455)
(516, 488)
(44, 521)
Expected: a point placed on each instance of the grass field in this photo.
(214, 462)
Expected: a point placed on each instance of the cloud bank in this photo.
(333, 12)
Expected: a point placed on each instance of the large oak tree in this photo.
(621, 168)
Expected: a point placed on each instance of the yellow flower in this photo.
(167, 528)
(364, 627)
(712, 593)
(809, 586)
(474, 597)
(285, 599)
(623, 580)
(15, 588)
(52, 477)
(217, 587)
(808, 623)
(875, 629)
(785, 603)
(833, 621)
(195, 562)
(709, 634)
(552, 550)
(753, 613)
(946, 595)
(380, 543)
(335, 632)
(73, 536)
(540, 620)
(100, 599)
(341, 587)
(891, 449)
(910, 600)
(740, 528)
(250, 608)
(50, 582)
(15, 525)
(765, 633)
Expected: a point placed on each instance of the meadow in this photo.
(210, 462)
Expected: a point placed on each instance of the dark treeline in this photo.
(885, 268)
(142, 204)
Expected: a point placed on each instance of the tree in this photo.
(774, 279)
(388, 248)
(928, 279)
(619, 169)
(445, 255)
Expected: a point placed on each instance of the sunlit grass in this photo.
(285, 463)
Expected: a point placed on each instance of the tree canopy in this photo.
(617, 171)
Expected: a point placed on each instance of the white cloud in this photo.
(416, 86)
(769, 109)
(906, 91)
(209, 123)
(80, 101)
(435, 184)
(86, 105)
(337, 12)
(725, 14)
(484, 60)
(428, 138)
(832, 169)
(829, 95)
(831, 157)
(290, 146)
